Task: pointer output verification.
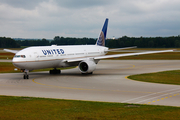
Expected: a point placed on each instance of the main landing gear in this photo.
(26, 76)
(55, 71)
(87, 73)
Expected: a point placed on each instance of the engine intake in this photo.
(87, 66)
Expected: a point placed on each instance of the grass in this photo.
(167, 77)
(7, 67)
(29, 108)
(6, 55)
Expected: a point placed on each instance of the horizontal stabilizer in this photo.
(12, 51)
(120, 49)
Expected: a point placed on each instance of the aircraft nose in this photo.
(16, 63)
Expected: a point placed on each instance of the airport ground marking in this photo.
(141, 67)
(133, 66)
(89, 89)
(162, 98)
(61, 87)
(155, 83)
(151, 98)
(163, 94)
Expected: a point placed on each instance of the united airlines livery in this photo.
(85, 57)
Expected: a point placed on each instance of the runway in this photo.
(108, 83)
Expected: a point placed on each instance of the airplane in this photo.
(86, 57)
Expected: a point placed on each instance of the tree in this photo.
(8, 43)
(177, 44)
(151, 44)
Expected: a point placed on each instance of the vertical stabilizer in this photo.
(102, 37)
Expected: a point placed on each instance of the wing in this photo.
(130, 54)
(114, 56)
(12, 51)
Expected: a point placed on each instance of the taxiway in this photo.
(108, 83)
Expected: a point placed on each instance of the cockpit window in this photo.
(20, 56)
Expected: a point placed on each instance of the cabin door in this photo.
(36, 56)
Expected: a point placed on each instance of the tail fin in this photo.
(102, 37)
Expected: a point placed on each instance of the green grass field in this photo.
(167, 77)
(26, 108)
(7, 67)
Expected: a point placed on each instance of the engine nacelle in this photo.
(87, 66)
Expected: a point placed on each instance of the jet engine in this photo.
(87, 66)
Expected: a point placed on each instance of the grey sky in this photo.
(84, 18)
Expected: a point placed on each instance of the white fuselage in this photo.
(32, 58)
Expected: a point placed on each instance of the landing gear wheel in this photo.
(87, 73)
(55, 71)
(26, 76)
(90, 73)
(51, 72)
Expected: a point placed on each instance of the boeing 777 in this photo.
(85, 57)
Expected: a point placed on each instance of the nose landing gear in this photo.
(26, 76)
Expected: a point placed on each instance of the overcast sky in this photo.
(85, 18)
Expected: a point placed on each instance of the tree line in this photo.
(72, 41)
(33, 42)
(144, 42)
(140, 42)
(8, 43)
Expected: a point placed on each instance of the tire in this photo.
(51, 72)
(55, 72)
(87, 73)
(24, 77)
(27, 77)
(58, 71)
